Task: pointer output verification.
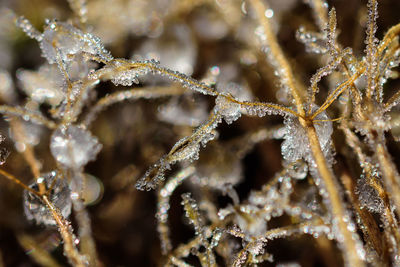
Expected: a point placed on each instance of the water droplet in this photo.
(269, 13)
(298, 170)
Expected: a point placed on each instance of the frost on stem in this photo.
(163, 206)
(371, 47)
(186, 149)
(296, 145)
(125, 75)
(4, 152)
(58, 194)
(313, 41)
(193, 214)
(227, 102)
(367, 195)
(73, 146)
(229, 110)
(325, 71)
(28, 28)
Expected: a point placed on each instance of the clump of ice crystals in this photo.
(4, 152)
(368, 196)
(237, 91)
(230, 111)
(42, 85)
(296, 145)
(59, 196)
(73, 146)
(62, 40)
(122, 73)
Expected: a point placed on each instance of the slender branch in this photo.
(276, 54)
(368, 224)
(39, 254)
(27, 115)
(346, 238)
(163, 206)
(389, 172)
(335, 94)
(64, 226)
(73, 255)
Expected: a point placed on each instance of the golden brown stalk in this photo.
(64, 226)
(40, 255)
(275, 51)
(370, 229)
(349, 245)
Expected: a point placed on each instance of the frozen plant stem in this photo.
(337, 208)
(276, 53)
(72, 253)
(64, 227)
(390, 174)
(370, 230)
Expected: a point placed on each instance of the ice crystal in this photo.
(296, 146)
(73, 146)
(43, 86)
(4, 153)
(127, 76)
(230, 111)
(62, 40)
(237, 91)
(368, 196)
(186, 149)
(59, 195)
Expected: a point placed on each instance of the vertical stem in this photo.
(390, 174)
(371, 231)
(338, 211)
(87, 243)
(75, 258)
(277, 56)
